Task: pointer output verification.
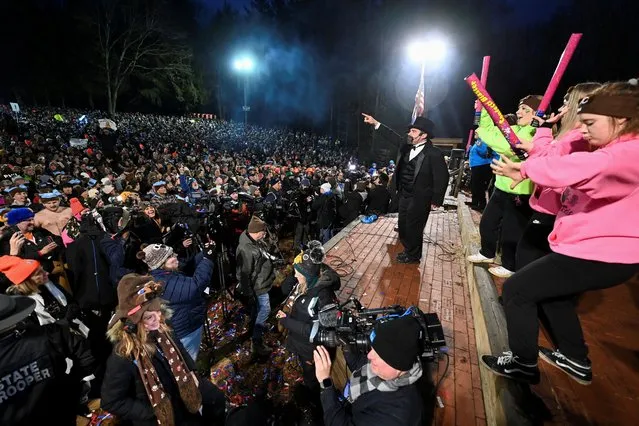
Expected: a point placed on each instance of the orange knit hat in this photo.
(16, 269)
(76, 206)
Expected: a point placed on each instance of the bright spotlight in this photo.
(244, 64)
(432, 50)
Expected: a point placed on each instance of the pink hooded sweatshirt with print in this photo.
(598, 215)
(548, 200)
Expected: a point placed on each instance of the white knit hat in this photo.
(325, 186)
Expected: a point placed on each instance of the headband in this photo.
(613, 106)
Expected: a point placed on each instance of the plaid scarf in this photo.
(364, 380)
(189, 391)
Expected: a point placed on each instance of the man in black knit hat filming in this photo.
(382, 389)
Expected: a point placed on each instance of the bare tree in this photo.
(135, 45)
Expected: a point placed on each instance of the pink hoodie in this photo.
(598, 215)
(548, 200)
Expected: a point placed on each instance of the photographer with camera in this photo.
(382, 389)
(255, 276)
(185, 294)
(315, 288)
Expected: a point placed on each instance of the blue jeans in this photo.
(326, 234)
(263, 309)
(191, 342)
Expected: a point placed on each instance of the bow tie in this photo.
(418, 145)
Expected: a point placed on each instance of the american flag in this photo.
(418, 110)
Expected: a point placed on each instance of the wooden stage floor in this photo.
(438, 284)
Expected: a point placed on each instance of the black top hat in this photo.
(14, 309)
(423, 124)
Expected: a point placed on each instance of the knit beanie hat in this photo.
(18, 215)
(326, 187)
(16, 269)
(76, 206)
(136, 295)
(154, 255)
(533, 101)
(397, 342)
(309, 262)
(256, 225)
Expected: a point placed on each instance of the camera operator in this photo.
(381, 390)
(325, 207)
(316, 287)
(185, 294)
(379, 197)
(255, 276)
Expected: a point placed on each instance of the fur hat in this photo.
(154, 255)
(18, 215)
(136, 295)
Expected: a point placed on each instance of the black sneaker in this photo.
(400, 256)
(407, 259)
(507, 365)
(579, 371)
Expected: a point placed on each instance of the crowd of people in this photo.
(112, 233)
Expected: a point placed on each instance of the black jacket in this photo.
(400, 408)
(30, 250)
(89, 271)
(300, 321)
(254, 269)
(36, 359)
(124, 395)
(430, 179)
(379, 199)
(326, 207)
(352, 207)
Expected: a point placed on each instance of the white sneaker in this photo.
(479, 258)
(500, 271)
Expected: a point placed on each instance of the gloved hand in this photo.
(209, 250)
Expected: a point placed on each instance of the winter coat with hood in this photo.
(124, 394)
(185, 294)
(305, 308)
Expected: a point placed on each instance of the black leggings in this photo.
(552, 284)
(534, 242)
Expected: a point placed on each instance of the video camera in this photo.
(337, 325)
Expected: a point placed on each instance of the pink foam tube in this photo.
(495, 114)
(484, 77)
(470, 140)
(559, 72)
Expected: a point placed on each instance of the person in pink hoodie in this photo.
(545, 201)
(594, 242)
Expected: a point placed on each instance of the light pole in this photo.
(244, 65)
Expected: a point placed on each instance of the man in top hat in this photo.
(35, 387)
(421, 179)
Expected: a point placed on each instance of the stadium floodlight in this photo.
(432, 50)
(244, 64)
